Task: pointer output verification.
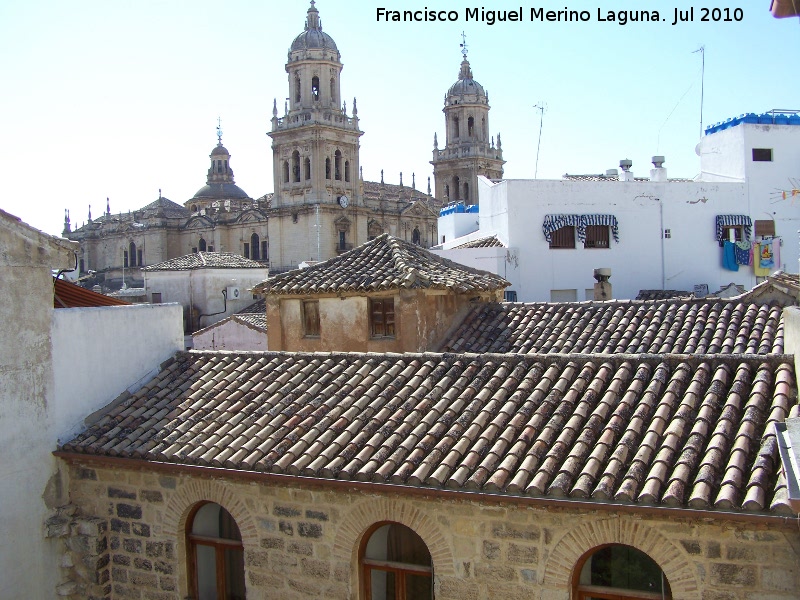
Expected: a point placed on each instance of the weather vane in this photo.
(463, 44)
(219, 131)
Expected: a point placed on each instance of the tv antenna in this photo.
(702, 51)
(542, 108)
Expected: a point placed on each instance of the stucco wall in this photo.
(229, 335)
(99, 352)
(421, 320)
(28, 562)
(301, 542)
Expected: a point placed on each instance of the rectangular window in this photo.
(125, 258)
(381, 312)
(264, 250)
(194, 250)
(139, 257)
(563, 238)
(762, 154)
(510, 296)
(765, 227)
(155, 298)
(211, 248)
(247, 250)
(311, 318)
(596, 236)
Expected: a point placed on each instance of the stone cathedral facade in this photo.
(321, 205)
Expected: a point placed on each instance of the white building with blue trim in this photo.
(736, 222)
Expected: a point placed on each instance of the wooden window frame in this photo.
(219, 545)
(738, 230)
(400, 570)
(386, 325)
(311, 328)
(563, 238)
(597, 237)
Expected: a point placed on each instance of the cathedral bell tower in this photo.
(469, 151)
(315, 143)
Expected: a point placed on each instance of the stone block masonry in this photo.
(124, 537)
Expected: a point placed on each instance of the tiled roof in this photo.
(206, 260)
(484, 242)
(660, 327)
(384, 263)
(167, 207)
(784, 283)
(602, 177)
(254, 315)
(662, 294)
(70, 295)
(682, 432)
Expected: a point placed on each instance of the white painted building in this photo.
(668, 231)
(56, 367)
(209, 285)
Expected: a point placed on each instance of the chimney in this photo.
(602, 289)
(627, 174)
(659, 173)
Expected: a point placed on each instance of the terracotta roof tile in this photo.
(491, 241)
(615, 327)
(691, 432)
(384, 263)
(206, 260)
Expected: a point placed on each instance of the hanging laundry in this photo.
(729, 256)
(758, 270)
(766, 255)
(776, 253)
(742, 251)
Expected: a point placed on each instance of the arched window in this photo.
(219, 166)
(483, 127)
(337, 165)
(286, 171)
(395, 564)
(132, 254)
(327, 168)
(620, 573)
(470, 127)
(455, 126)
(216, 556)
(297, 88)
(254, 247)
(202, 245)
(466, 192)
(315, 88)
(456, 187)
(347, 170)
(308, 168)
(296, 166)
(333, 90)
(415, 236)
(194, 207)
(447, 191)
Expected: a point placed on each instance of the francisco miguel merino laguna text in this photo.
(620, 17)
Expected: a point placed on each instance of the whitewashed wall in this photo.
(100, 352)
(229, 335)
(645, 259)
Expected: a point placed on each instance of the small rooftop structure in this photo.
(205, 260)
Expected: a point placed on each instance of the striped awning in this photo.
(580, 222)
(734, 220)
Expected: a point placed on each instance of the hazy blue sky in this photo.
(118, 99)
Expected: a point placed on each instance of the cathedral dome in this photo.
(220, 150)
(466, 85)
(313, 38)
(221, 191)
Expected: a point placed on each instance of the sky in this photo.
(114, 99)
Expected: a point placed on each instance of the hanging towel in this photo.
(729, 256)
(758, 270)
(742, 251)
(776, 253)
(766, 256)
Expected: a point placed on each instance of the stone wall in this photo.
(302, 541)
